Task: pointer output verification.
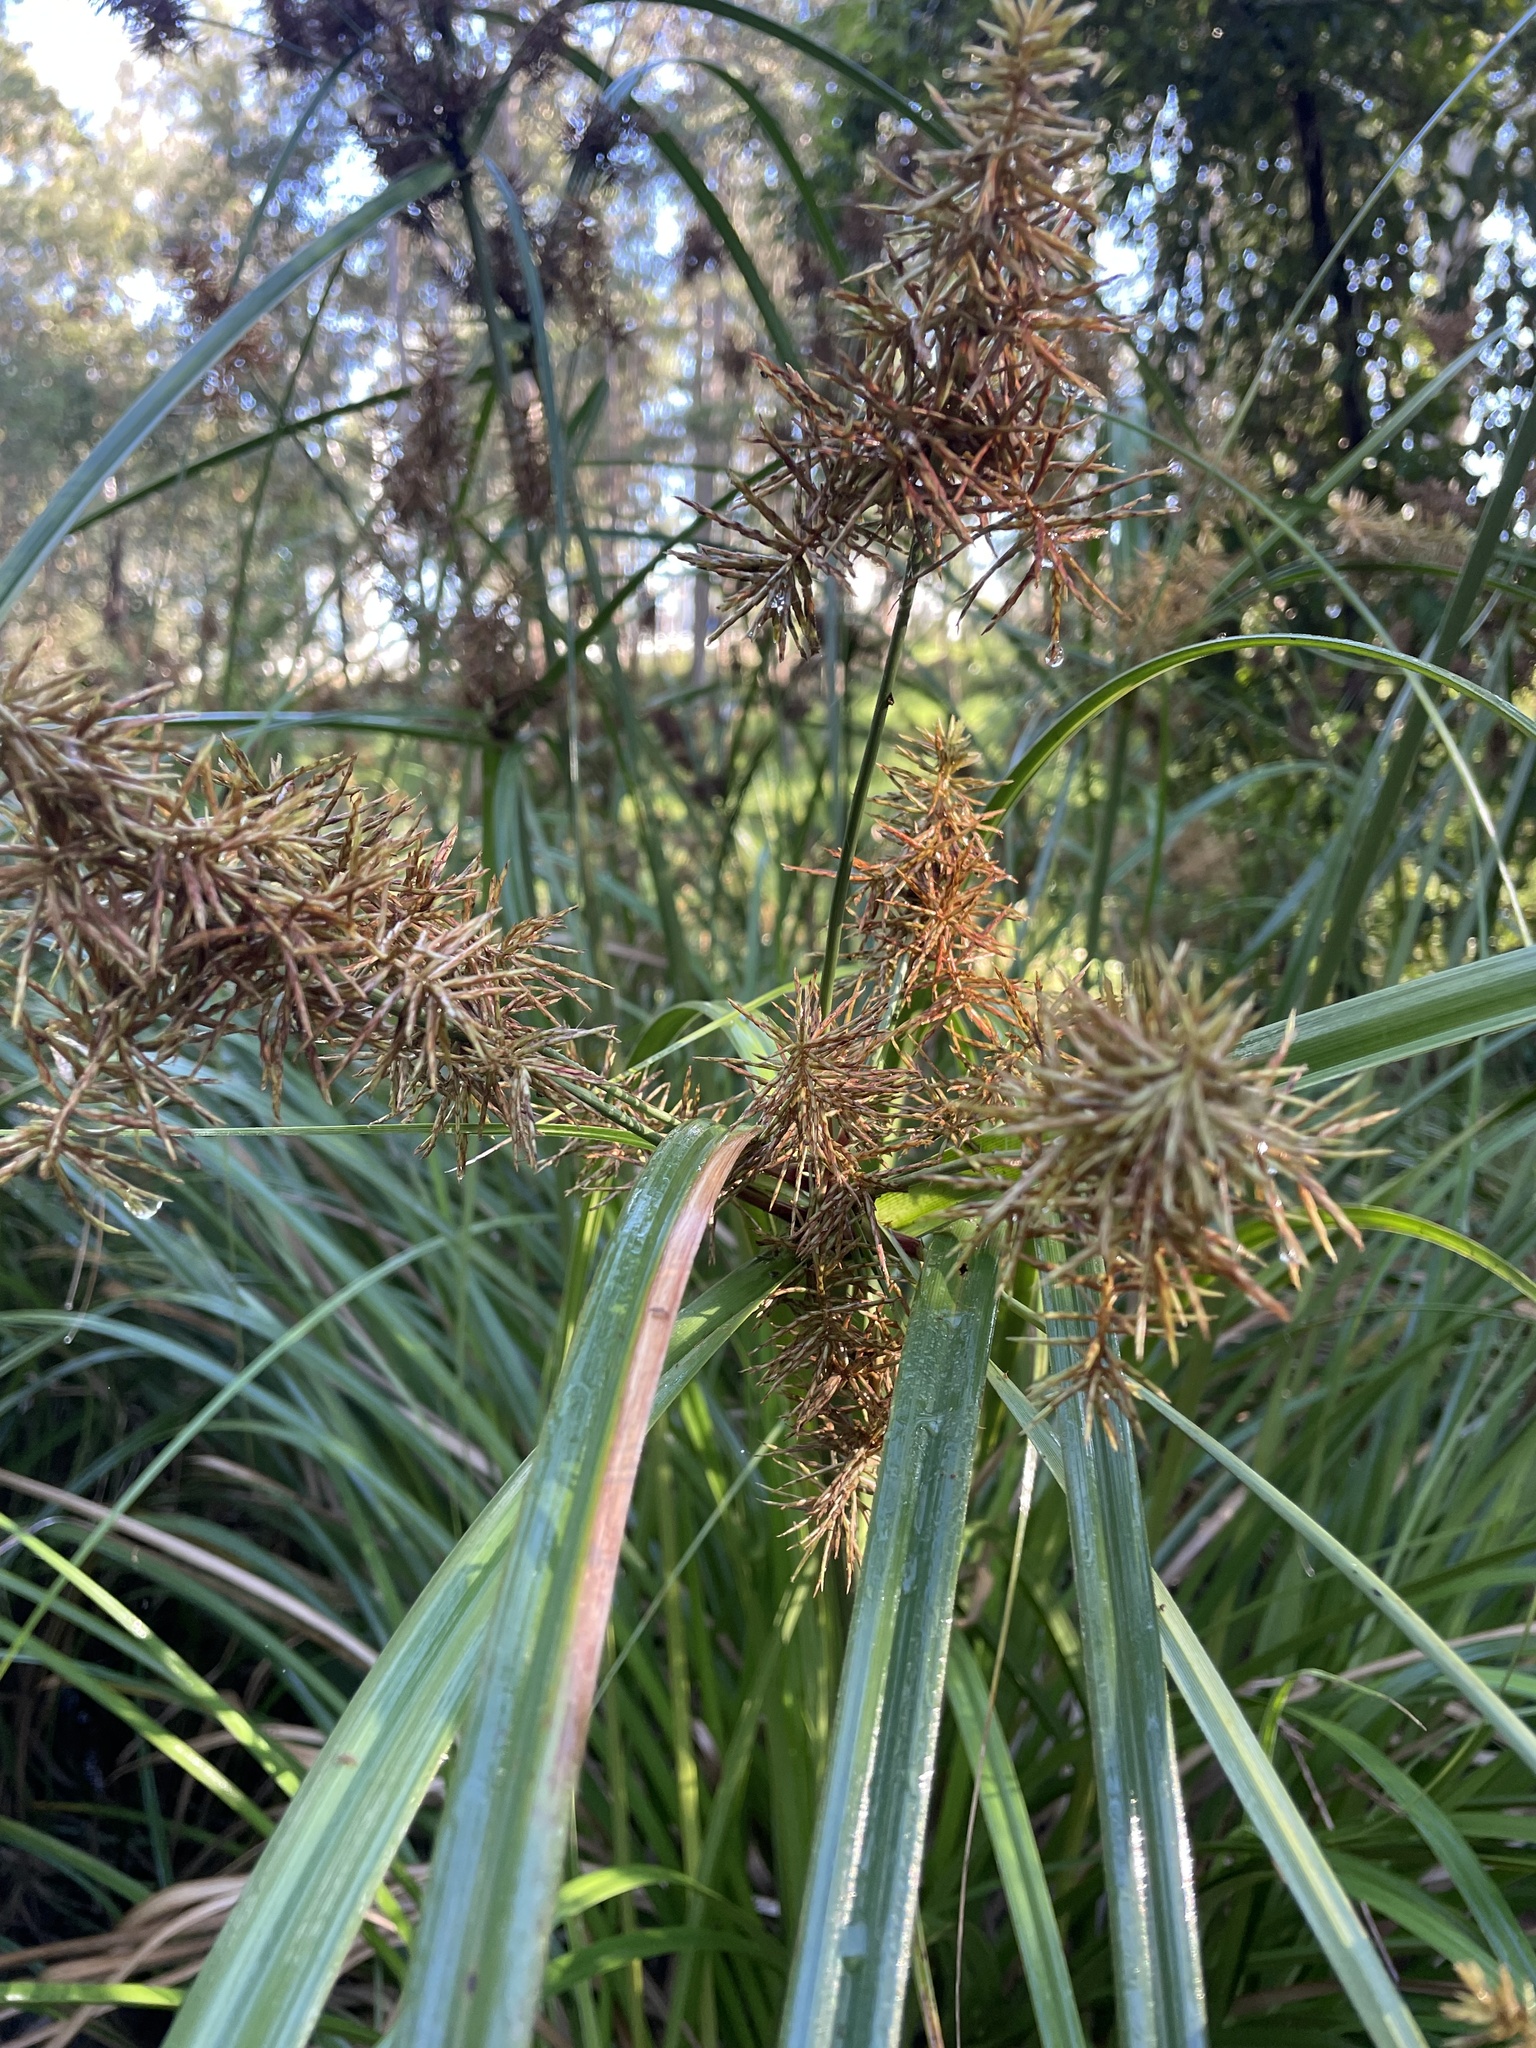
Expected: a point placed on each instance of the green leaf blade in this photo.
(1483, 996)
(1017, 1856)
(478, 1971)
(1292, 1847)
(266, 1981)
(853, 1948)
(1493, 1707)
(1154, 1933)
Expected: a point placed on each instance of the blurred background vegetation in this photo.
(429, 512)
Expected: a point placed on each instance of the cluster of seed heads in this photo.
(152, 903)
(923, 1037)
(954, 412)
(1112, 1137)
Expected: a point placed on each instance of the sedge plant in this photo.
(1006, 1263)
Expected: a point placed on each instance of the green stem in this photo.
(1160, 827)
(1108, 819)
(883, 703)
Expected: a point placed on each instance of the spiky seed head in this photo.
(899, 1074)
(953, 416)
(1145, 1141)
(928, 906)
(823, 1109)
(152, 903)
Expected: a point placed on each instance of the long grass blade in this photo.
(1016, 1854)
(1352, 654)
(1285, 1834)
(821, 53)
(1398, 1223)
(1496, 512)
(1493, 995)
(1488, 1906)
(672, 152)
(853, 1947)
(1269, 1807)
(478, 1973)
(1154, 1934)
(266, 1981)
(1493, 1707)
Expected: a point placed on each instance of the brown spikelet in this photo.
(857, 1102)
(824, 1112)
(150, 904)
(423, 481)
(1146, 1141)
(1168, 601)
(930, 916)
(157, 26)
(1366, 531)
(954, 413)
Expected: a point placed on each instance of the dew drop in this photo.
(1168, 143)
(1053, 655)
(143, 1206)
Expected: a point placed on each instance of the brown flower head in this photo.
(824, 1111)
(881, 1091)
(157, 26)
(826, 1107)
(954, 415)
(1146, 1141)
(931, 921)
(422, 485)
(835, 1491)
(150, 904)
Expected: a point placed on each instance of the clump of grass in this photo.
(158, 902)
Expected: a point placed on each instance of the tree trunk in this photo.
(1309, 135)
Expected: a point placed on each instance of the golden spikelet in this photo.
(1168, 601)
(1367, 531)
(856, 1101)
(1496, 2011)
(929, 913)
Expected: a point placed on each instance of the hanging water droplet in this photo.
(1053, 655)
(1167, 143)
(143, 1206)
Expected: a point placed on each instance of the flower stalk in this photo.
(885, 697)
